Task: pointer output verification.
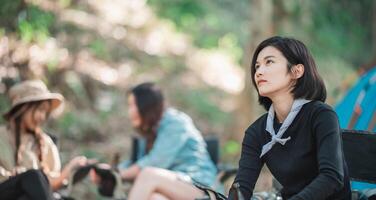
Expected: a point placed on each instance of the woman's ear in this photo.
(297, 71)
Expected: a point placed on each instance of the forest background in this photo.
(92, 51)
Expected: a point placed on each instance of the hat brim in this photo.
(56, 101)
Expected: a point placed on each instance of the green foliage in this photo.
(98, 48)
(9, 10)
(34, 24)
(9, 7)
(65, 122)
(52, 64)
(2, 32)
(342, 29)
(201, 103)
(79, 125)
(65, 3)
(232, 147)
(211, 24)
(75, 84)
(183, 12)
(91, 154)
(230, 44)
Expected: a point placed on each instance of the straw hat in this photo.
(30, 91)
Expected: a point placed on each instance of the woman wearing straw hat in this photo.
(29, 160)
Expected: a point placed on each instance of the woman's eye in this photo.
(257, 66)
(269, 62)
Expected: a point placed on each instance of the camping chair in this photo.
(360, 154)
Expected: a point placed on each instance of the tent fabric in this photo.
(364, 93)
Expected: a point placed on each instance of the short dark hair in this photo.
(150, 104)
(310, 85)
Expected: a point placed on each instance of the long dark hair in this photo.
(150, 103)
(310, 85)
(16, 117)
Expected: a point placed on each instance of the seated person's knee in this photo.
(149, 171)
(157, 196)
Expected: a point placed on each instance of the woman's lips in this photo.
(261, 81)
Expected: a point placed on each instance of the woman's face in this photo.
(133, 113)
(36, 116)
(272, 76)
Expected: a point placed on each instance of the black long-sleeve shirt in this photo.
(309, 166)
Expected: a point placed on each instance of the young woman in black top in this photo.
(299, 138)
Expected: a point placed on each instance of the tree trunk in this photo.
(261, 27)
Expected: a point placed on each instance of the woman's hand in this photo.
(69, 168)
(76, 162)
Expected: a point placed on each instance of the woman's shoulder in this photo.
(316, 107)
(175, 114)
(320, 105)
(257, 125)
(176, 118)
(173, 122)
(47, 139)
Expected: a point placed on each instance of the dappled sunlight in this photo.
(163, 41)
(123, 12)
(120, 20)
(94, 51)
(49, 51)
(157, 37)
(101, 71)
(9, 72)
(119, 33)
(4, 46)
(88, 21)
(36, 56)
(20, 53)
(217, 69)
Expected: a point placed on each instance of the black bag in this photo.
(108, 179)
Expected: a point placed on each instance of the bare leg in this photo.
(157, 196)
(164, 182)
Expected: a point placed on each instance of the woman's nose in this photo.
(259, 71)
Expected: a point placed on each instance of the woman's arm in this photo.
(329, 155)
(58, 181)
(56, 176)
(4, 174)
(130, 173)
(250, 164)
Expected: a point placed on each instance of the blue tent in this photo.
(357, 110)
